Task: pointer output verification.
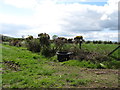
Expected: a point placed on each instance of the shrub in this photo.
(110, 42)
(99, 42)
(105, 42)
(29, 38)
(95, 42)
(33, 45)
(84, 54)
(79, 39)
(87, 42)
(15, 43)
(116, 43)
(70, 40)
(48, 51)
(23, 43)
(59, 43)
(44, 40)
(79, 54)
(101, 58)
(54, 37)
(5, 43)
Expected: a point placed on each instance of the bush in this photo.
(44, 40)
(15, 43)
(87, 42)
(48, 51)
(116, 43)
(79, 54)
(23, 43)
(84, 54)
(99, 42)
(105, 42)
(70, 40)
(59, 43)
(101, 58)
(34, 45)
(95, 42)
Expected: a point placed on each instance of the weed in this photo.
(79, 82)
(70, 80)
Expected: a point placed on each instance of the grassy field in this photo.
(21, 68)
(101, 48)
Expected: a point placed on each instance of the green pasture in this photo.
(21, 68)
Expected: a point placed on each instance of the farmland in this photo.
(60, 44)
(24, 69)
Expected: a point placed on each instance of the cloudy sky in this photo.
(93, 19)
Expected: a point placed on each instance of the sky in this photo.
(93, 19)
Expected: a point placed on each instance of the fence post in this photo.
(113, 50)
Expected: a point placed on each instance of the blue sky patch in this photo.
(88, 3)
(9, 9)
(94, 3)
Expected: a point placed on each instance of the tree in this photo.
(30, 37)
(54, 37)
(70, 40)
(79, 39)
(44, 39)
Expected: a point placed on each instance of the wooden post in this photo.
(113, 50)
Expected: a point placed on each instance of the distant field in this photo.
(103, 48)
(24, 69)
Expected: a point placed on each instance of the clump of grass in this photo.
(77, 82)
(45, 72)
(83, 63)
(70, 80)
(112, 64)
(54, 58)
(46, 82)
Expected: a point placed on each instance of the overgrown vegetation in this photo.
(33, 63)
(24, 69)
(33, 45)
(96, 52)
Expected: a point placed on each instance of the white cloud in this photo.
(55, 18)
(103, 36)
(21, 3)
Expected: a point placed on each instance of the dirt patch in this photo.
(12, 65)
(104, 71)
